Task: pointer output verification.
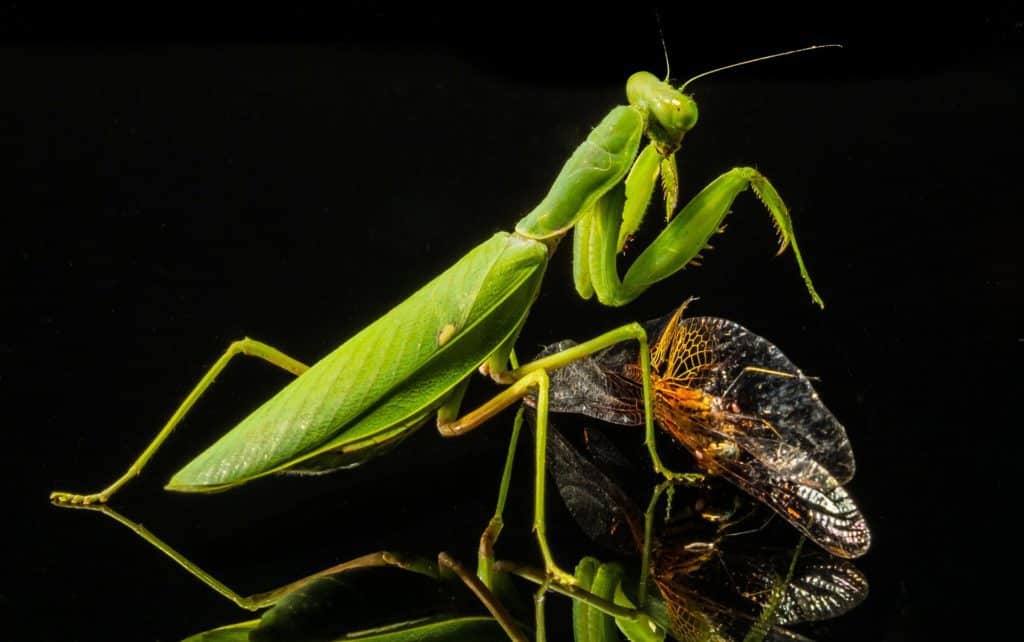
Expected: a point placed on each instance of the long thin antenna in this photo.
(761, 59)
(664, 45)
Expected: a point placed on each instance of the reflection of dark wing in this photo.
(821, 588)
(599, 506)
(791, 482)
(611, 518)
(590, 388)
(731, 367)
(694, 618)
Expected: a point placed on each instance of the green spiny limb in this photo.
(681, 240)
(670, 185)
(767, 194)
(639, 187)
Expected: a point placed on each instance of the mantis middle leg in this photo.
(533, 378)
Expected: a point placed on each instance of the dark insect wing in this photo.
(746, 373)
(591, 387)
(821, 587)
(598, 505)
(789, 481)
(752, 376)
(611, 518)
(695, 618)
(605, 454)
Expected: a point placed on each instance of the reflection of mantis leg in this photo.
(379, 559)
(244, 346)
(483, 593)
(533, 378)
(576, 593)
(645, 554)
(534, 381)
(766, 620)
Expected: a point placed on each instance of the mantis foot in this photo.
(60, 498)
(560, 577)
(694, 480)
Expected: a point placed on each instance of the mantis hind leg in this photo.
(379, 559)
(244, 346)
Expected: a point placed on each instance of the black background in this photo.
(182, 178)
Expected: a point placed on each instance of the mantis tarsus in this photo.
(415, 361)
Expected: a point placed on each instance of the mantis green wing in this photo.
(369, 393)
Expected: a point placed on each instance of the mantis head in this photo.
(668, 111)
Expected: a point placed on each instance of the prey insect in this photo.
(415, 362)
(741, 408)
(686, 562)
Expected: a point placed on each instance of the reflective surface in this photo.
(688, 564)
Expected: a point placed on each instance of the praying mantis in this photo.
(415, 362)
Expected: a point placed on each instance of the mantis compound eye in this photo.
(676, 112)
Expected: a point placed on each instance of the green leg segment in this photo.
(251, 602)
(490, 535)
(533, 377)
(578, 594)
(245, 346)
(379, 559)
(678, 244)
(483, 593)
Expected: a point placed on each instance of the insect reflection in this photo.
(687, 566)
(741, 408)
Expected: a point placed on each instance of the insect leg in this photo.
(682, 239)
(244, 346)
(584, 592)
(629, 332)
(535, 380)
(249, 603)
(483, 593)
(489, 537)
(533, 376)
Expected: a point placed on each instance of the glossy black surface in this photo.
(164, 199)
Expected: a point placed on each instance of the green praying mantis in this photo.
(416, 361)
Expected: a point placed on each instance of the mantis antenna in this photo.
(664, 45)
(753, 60)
